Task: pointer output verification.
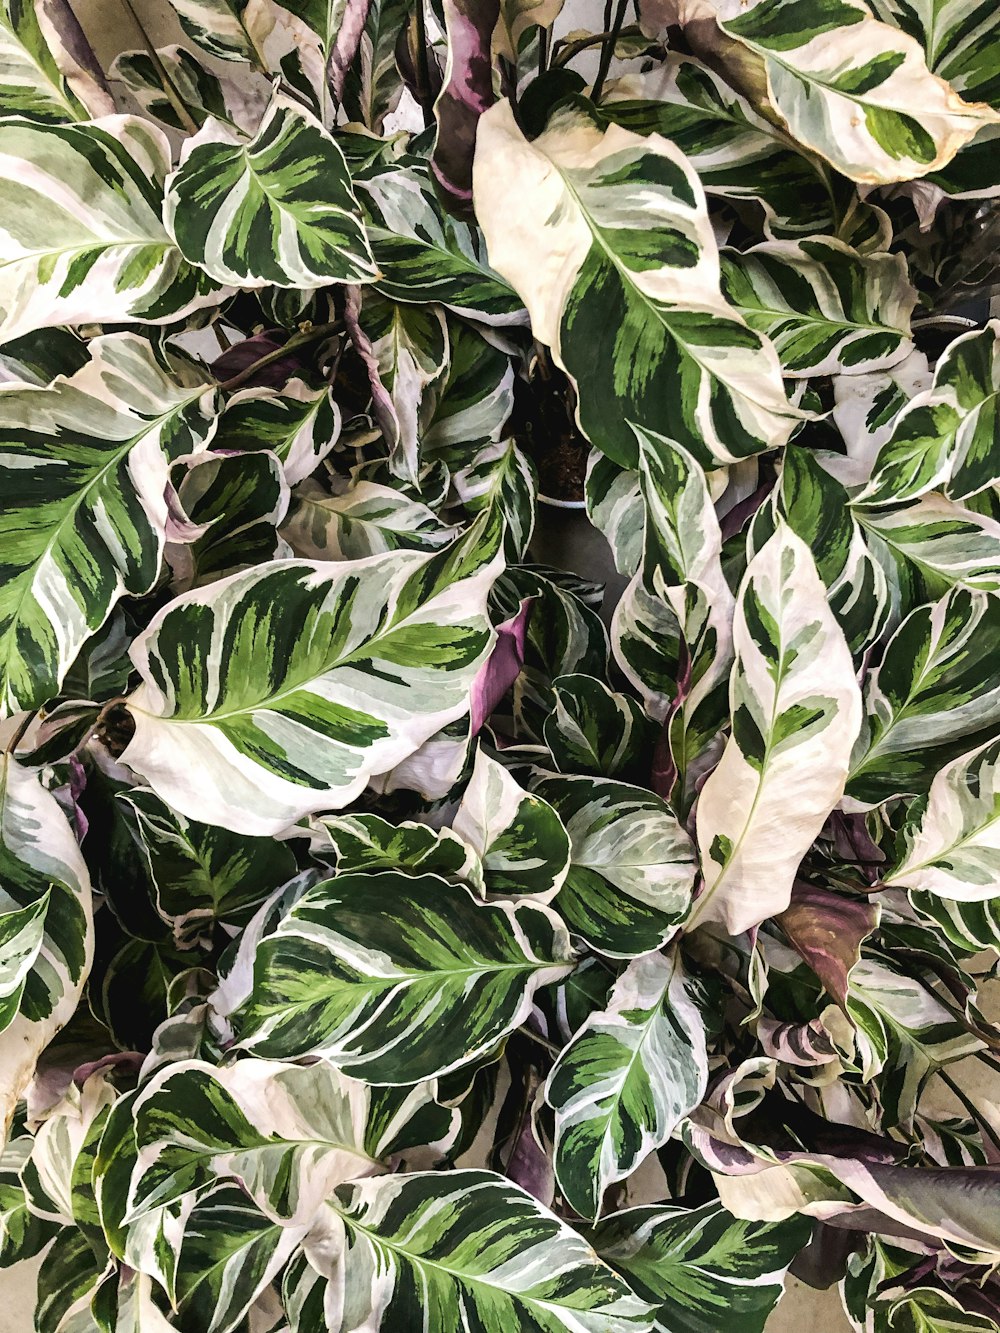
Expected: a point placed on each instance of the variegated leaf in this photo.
(615, 506)
(277, 211)
(331, 673)
(519, 837)
(625, 290)
(429, 1241)
(796, 709)
(934, 695)
(85, 468)
(958, 37)
(422, 255)
(947, 437)
(827, 309)
(737, 153)
(398, 978)
(410, 345)
(954, 849)
(367, 842)
(865, 408)
(933, 544)
(594, 730)
(854, 90)
(702, 1267)
(372, 88)
(22, 1233)
(80, 228)
(300, 425)
(501, 477)
(41, 75)
(626, 1079)
(631, 864)
(471, 403)
(202, 93)
(368, 519)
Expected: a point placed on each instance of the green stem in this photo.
(169, 87)
(608, 49)
(542, 1041)
(19, 734)
(983, 1125)
(294, 343)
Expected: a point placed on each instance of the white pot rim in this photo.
(562, 504)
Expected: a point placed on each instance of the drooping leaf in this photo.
(277, 211)
(399, 978)
(631, 864)
(41, 77)
(626, 1079)
(796, 709)
(466, 92)
(291, 721)
(628, 297)
(700, 1266)
(80, 228)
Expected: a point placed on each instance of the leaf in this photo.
(67, 1278)
(22, 1233)
(367, 842)
(367, 660)
(595, 730)
(373, 88)
(300, 425)
(702, 1265)
(827, 309)
(935, 695)
(410, 345)
(626, 1079)
(796, 710)
(368, 519)
(631, 864)
(947, 437)
(430, 1241)
(737, 153)
(956, 38)
(203, 94)
(854, 90)
(954, 849)
(519, 837)
(80, 229)
(934, 544)
(396, 978)
(501, 478)
(628, 296)
(423, 255)
(218, 26)
(85, 468)
(39, 76)
(827, 930)
(277, 211)
(22, 931)
(466, 92)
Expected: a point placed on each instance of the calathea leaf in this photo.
(954, 849)
(277, 211)
(947, 437)
(22, 931)
(297, 716)
(626, 1079)
(502, 477)
(423, 255)
(471, 403)
(67, 1280)
(22, 1233)
(631, 864)
(366, 842)
(466, 92)
(300, 425)
(372, 88)
(520, 839)
(594, 730)
(39, 76)
(40, 861)
(220, 27)
(367, 519)
(737, 153)
(865, 408)
(85, 469)
(934, 695)
(430, 1242)
(796, 709)
(957, 38)
(615, 507)
(967, 926)
(80, 228)
(826, 309)
(628, 298)
(203, 94)
(854, 90)
(700, 1266)
(398, 978)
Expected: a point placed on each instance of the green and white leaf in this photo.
(410, 344)
(300, 425)
(865, 408)
(368, 519)
(279, 692)
(39, 77)
(501, 478)
(80, 228)
(519, 838)
(948, 437)
(97, 446)
(615, 507)
(625, 289)
(933, 544)
(796, 709)
(827, 309)
(431, 1241)
(398, 978)
(372, 89)
(854, 90)
(934, 696)
(277, 211)
(203, 93)
(702, 1267)
(626, 1080)
(593, 729)
(367, 842)
(632, 866)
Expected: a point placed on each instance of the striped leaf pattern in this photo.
(244, 215)
(85, 468)
(80, 228)
(369, 519)
(299, 425)
(625, 290)
(853, 89)
(39, 77)
(626, 1079)
(396, 978)
(268, 748)
(366, 842)
(796, 710)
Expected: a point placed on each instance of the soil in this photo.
(545, 427)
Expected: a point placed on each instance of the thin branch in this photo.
(608, 49)
(296, 341)
(983, 1125)
(542, 1041)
